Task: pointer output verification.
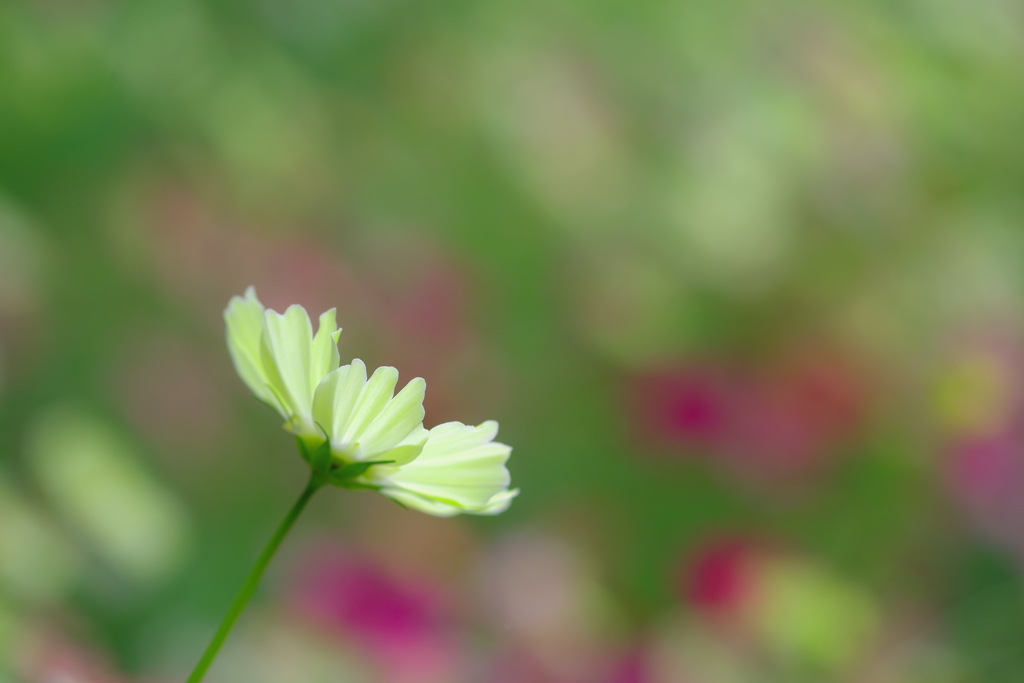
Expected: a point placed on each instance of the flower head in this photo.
(355, 431)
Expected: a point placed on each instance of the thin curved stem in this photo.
(253, 580)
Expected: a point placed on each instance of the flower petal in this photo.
(325, 356)
(407, 450)
(336, 397)
(395, 422)
(499, 502)
(244, 320)
(372, 399)
(430, 506)
(287, 358)
(444, 508)
(459, 466)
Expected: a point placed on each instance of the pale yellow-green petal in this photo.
(407, 450)
(286, 353)
(336, 397)
(460, 466)
(325, 356)
(498, 503)
(375, 395)
(470, 479)
(244, 320)
(442, 508)
(326, 396)
(395, 422)
(428, 505)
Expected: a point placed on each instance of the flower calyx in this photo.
(334, 470)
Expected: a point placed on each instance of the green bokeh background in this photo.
(539, 207)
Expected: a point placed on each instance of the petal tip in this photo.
(329, 316)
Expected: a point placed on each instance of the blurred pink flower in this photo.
(768, 601)
(688, 406)
(401, 623)
(792, 418)
(52, 657)
(520, 665)
(631, 668)
(776, 424)
(985, 470)
(717, 578)
(985, 475)
(979, 408)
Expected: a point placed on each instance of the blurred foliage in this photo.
(722, 270)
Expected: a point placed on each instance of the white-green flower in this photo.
(279, 358)
(355, 431)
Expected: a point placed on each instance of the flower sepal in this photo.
(318, 457)
(334, 471)
(346, 475)
(353, 485)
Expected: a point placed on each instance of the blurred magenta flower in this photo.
(717, 579)
(402, 623)
(985, 475)
(979, 406)
(776, 424)
(687, 406)
(632, 667)
(783, 605)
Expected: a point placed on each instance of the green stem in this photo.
(253, 580)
